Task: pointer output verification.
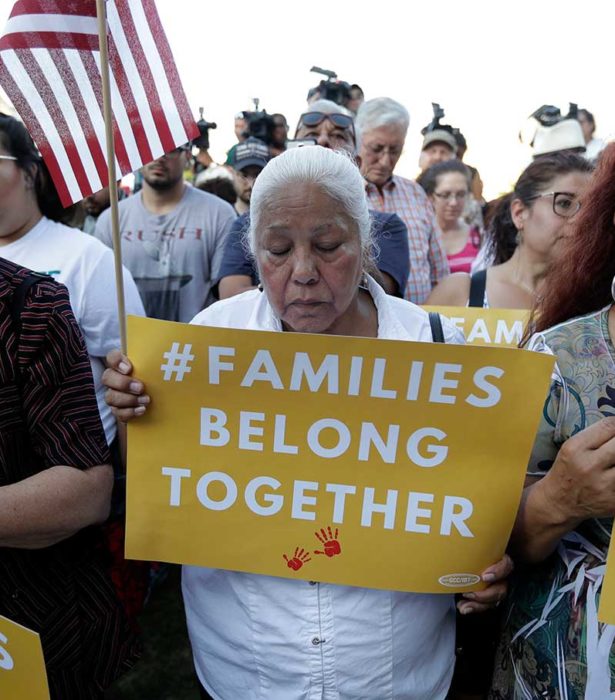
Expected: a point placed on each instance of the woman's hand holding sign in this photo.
(125, 394)
(496, 577)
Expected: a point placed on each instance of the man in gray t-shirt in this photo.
(172, 239)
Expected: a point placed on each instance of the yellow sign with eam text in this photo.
(487, 326)
(376, 463)
(22, 667)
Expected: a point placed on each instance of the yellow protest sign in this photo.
(486, 326)
(606, 609)
(22, 667)
(376, 463)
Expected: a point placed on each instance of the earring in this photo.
(613, 288)
(519, 236)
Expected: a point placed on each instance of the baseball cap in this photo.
(214, 172)
(562, 136)
(439, 136)
(251, 152)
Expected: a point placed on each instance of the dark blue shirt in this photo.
(391, 252)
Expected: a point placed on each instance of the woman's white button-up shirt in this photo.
(265, 638)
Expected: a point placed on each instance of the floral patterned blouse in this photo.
(552, 645)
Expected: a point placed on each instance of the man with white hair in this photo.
(381, 126)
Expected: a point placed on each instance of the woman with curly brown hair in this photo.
(553, 645)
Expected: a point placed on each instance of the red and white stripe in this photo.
(50, 69)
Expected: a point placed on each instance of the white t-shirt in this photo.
(267, 638)
(86, 267)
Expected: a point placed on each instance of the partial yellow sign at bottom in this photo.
(22, 666)
(606, 611)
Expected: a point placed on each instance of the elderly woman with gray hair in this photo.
(263, 637)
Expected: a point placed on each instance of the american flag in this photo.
(50, 69)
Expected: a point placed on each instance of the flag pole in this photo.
(113, 193)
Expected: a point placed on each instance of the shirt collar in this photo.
(264, 318)
(388, 185)
(388, 324)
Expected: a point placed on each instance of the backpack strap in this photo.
(18, 300)
(437, 332)
(478, 285)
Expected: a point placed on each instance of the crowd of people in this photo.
(312, 234)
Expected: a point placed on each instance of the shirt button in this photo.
(315, 641)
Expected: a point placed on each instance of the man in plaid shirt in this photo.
(381, 126)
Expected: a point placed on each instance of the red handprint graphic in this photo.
(329, 540)
(299, 558)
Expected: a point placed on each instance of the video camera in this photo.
(202, 141)
(260, 124)
(438, 113)
(544, 117)
(548, 115)
(337, 91)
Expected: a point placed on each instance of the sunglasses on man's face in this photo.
(178, 150)
(343, 121)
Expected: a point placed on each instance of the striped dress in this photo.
(49, 416)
